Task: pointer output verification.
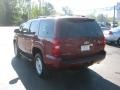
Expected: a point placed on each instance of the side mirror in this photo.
(17, 31)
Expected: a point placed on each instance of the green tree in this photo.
(91, 16)
(2, 12)
(15, 12)
(12, 14)
(23, 6)
(67, 10)
(102, 18)
(35, 12)
(9, 12)
(48, 9)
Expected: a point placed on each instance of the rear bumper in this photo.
(58, 63)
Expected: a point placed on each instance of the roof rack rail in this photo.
(42, 16)
(81, 15)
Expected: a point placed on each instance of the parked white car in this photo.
(112, 35)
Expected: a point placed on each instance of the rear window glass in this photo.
(46, 28)
(79, 28)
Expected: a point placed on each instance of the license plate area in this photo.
(85, 48)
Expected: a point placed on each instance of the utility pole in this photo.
(114, 17)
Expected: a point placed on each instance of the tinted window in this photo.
(25, 27)
(34, 26)
(79, 28)
(21, 27)
(46, 28)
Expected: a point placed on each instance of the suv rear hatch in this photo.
(79, 37)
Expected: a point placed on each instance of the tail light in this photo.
(110, 32)
(56, 48)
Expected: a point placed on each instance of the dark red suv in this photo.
(60, 43)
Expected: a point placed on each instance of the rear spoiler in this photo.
(78, 19)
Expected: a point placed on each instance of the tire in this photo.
(40, 66)
(16, 50)
(118, 41)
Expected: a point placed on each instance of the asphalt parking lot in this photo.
(19, 74)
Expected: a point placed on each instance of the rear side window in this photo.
(34, 26)
(46, 28)
(79, 28)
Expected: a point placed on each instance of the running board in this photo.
(29, 59)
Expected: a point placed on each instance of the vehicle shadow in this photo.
(85, 79)
(113, 44)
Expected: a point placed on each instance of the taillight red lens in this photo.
(110, 32)
(56, 48)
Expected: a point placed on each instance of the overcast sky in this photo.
(82, 6)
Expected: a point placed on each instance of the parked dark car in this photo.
(60, 43)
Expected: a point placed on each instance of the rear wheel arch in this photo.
(40, 67)
(36, 50)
